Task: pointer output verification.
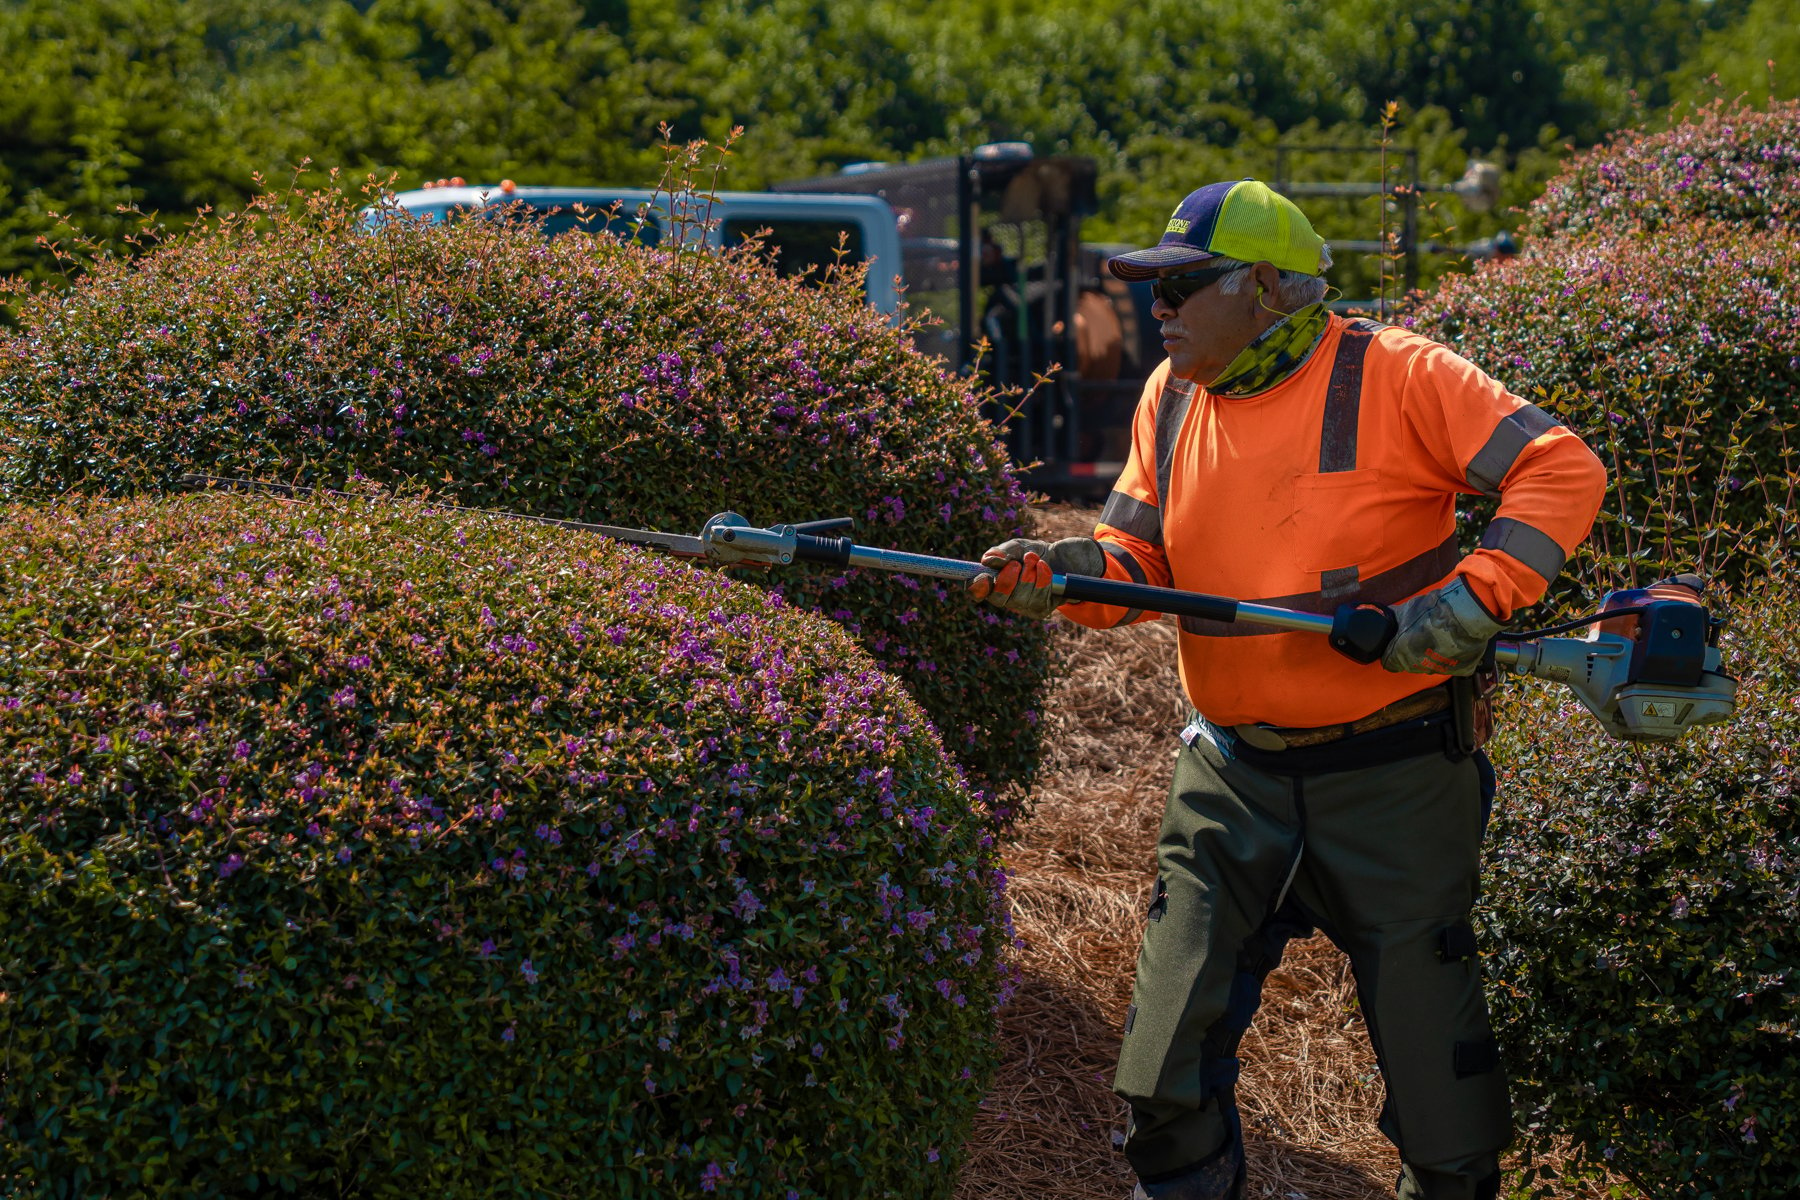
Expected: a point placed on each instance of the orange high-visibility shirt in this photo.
(1338, 485)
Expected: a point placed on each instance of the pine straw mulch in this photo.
(1082, 867)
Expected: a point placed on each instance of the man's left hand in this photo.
(1443, 632)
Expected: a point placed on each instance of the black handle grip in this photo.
(1361, 632)
(1079, 588)
(833, 552)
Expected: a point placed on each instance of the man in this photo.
(1286, 455)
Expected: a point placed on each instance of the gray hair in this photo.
(1294, 290)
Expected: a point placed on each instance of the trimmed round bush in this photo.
(1643, 905)
(358, 849)
(576, 377)
(1675, 355)
(1722, 163)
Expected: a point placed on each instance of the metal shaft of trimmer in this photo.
(1080, 588)
(1069, 588)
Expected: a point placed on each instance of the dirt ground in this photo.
(1082, 869)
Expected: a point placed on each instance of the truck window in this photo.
(375, 216)
(593, 218)
(802, 244)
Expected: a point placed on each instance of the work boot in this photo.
(1221, 1178)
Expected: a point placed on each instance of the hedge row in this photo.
(1644, 907)
(363, 850)
(1641, 902)
(1720, 162)
(575, 377)
(1677, 356)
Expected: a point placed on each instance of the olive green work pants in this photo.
(1384, 860)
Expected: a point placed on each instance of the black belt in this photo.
(1276, 737)
(1433, 734)
(1455, 732)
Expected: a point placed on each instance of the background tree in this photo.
(175, 105)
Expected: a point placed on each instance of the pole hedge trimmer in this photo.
(1648, 669)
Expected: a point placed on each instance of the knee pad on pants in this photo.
(1447, 1096)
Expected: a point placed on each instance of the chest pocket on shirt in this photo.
(1337, 519)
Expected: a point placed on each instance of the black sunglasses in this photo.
(1174, 290)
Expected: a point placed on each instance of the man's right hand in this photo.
(1018, 573)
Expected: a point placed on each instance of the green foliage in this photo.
(1677, 357)
(1646, 907)
(1643, 900)
(107, 104)
(1640, 45)
(1757, 58)
(1720, 163)
(175, 105)
(576, 377)
(357, 849)
(432, 89)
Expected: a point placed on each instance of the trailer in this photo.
(991, 247)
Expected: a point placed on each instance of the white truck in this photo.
(805, 229)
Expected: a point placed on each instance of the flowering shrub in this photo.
(1645, 907)
(1676, 355)
(1723, 163)
(1642, 902)
(360, 850)
(576, 377)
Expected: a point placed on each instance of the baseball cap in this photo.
(1244, 220)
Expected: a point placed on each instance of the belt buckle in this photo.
(1261, 736)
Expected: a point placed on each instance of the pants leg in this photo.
(1227, 849)
(1392, 867)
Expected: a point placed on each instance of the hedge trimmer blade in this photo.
(678, 545)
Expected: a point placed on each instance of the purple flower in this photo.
(747, 905)
(231, 866)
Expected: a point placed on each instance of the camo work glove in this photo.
(1443, 632)
(1018, 573)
